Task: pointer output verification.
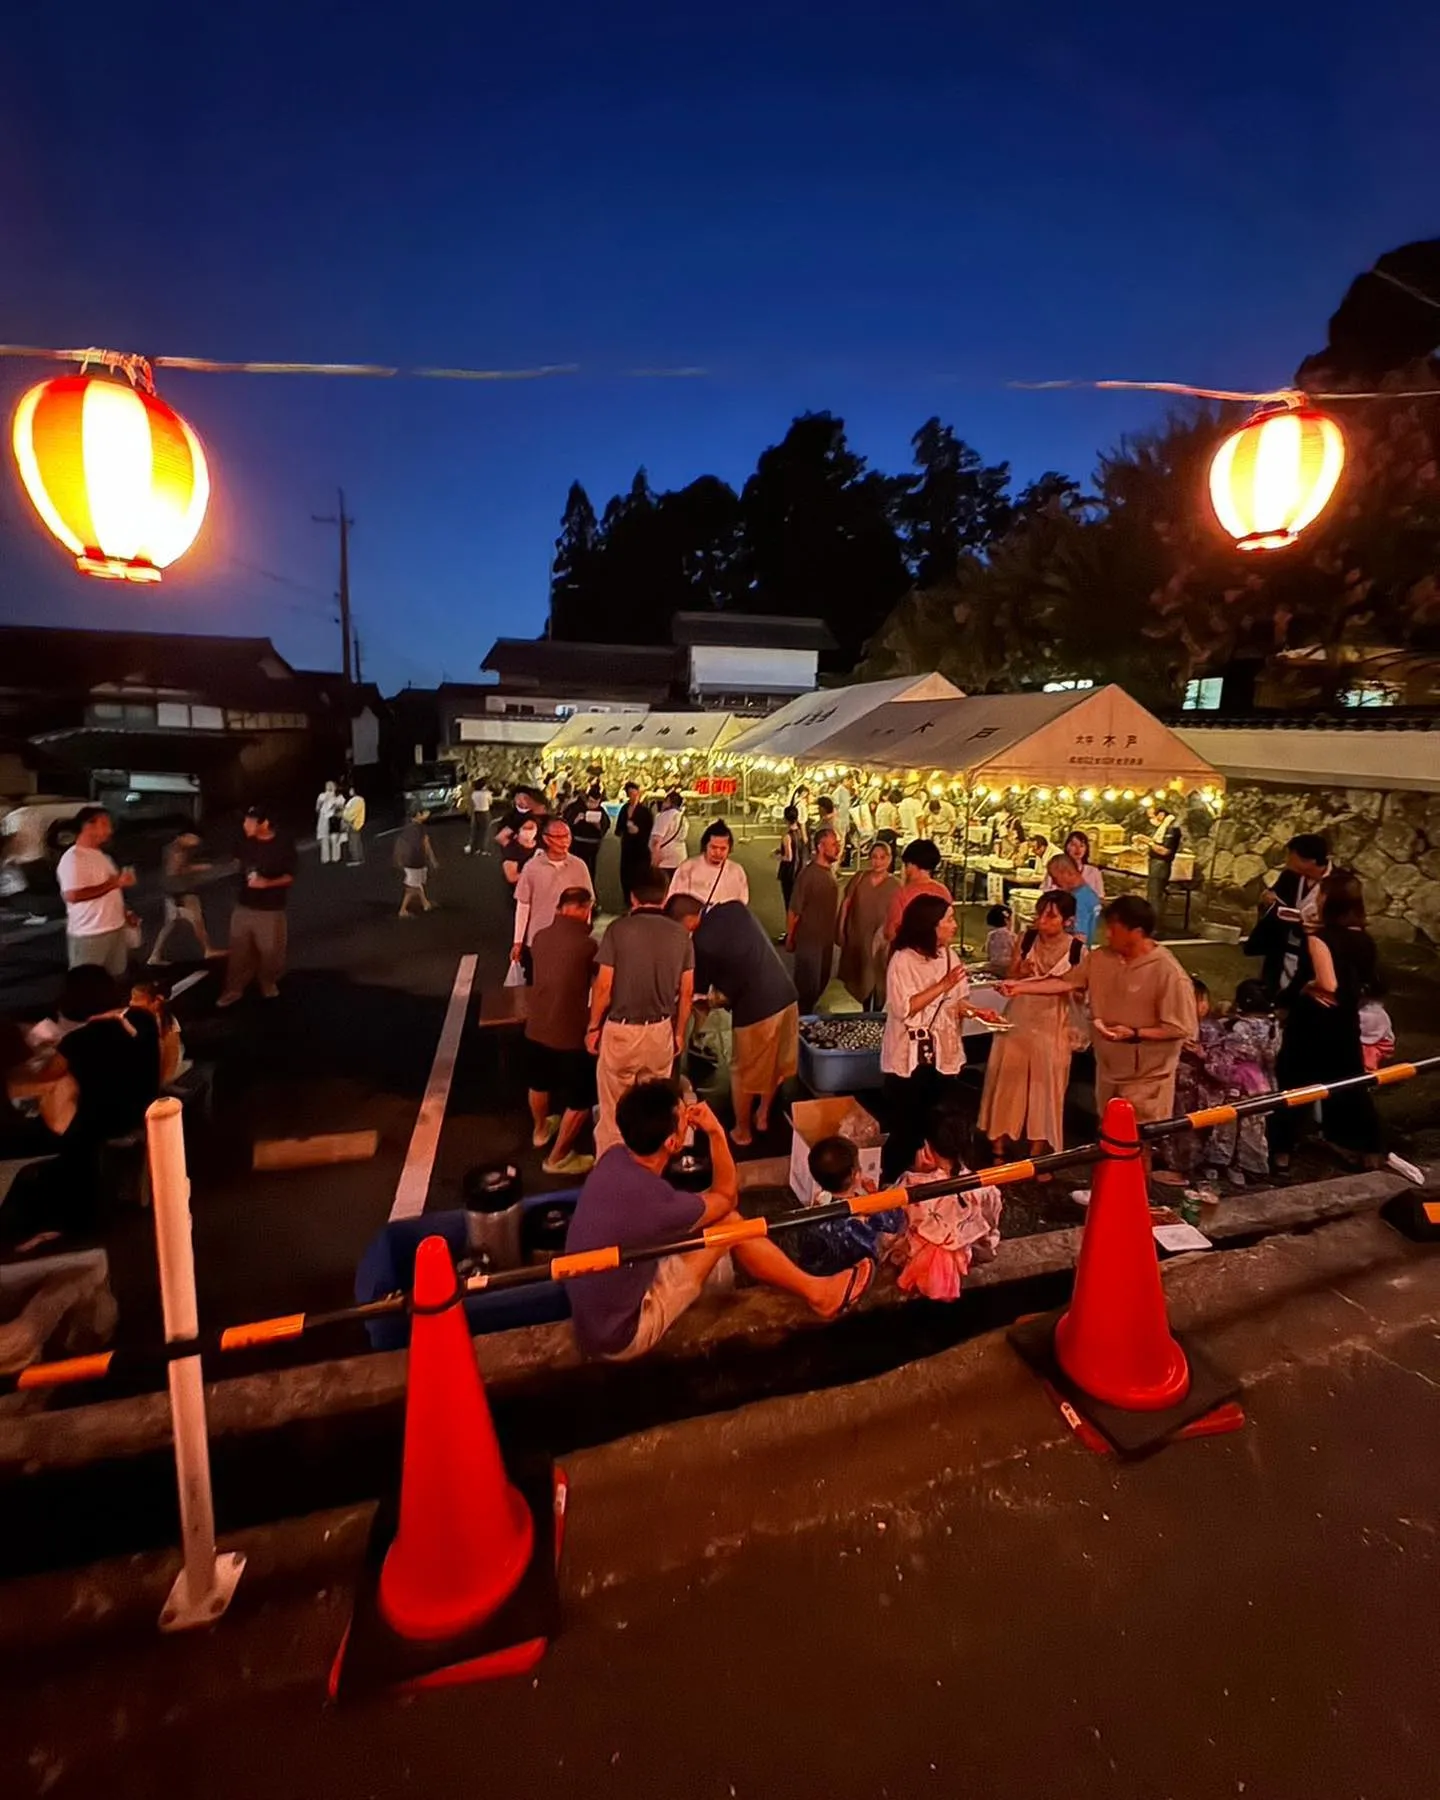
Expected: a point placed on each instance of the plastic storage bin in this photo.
(840, 1071)
(389, 1264)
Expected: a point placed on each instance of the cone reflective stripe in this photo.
(1114, 1341)
(465, 1535)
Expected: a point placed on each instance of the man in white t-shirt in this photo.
(93, 889)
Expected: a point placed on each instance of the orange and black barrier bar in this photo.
(1390, 1076)
(151, 1361)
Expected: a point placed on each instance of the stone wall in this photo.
(1390, 840)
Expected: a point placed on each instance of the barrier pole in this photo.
(206, 1582)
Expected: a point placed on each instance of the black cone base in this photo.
(372, 1657)
(1130, 1433)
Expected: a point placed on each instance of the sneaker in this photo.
(547, 1131)
(228, 999)
(569, 1165)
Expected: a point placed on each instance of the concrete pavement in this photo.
(918, 1584)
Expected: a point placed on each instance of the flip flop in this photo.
(853, 1297)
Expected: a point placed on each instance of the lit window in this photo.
(1065, 687)
(1370, 693)
(1203, 694)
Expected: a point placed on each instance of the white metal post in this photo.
(206, 1582)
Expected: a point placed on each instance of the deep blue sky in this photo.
(887, 210)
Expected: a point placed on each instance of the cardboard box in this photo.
(833, 1115)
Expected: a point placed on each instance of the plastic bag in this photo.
(515, 975)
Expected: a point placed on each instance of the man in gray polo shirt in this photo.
(640, 1003)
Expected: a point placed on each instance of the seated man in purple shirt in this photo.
(626, 1200)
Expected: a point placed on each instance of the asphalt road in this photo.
(917, 1585)
(349, 1045)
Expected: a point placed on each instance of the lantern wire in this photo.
(1275, 396)
(138, 370)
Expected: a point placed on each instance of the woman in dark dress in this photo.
(1321, 1038)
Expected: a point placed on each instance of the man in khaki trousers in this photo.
(640, 1003)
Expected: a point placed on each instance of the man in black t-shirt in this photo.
(257, 926)
(734, 957)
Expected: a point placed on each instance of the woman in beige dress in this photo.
(1029, 1066)
(862, 915)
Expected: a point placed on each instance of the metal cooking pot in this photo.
(494, 1206)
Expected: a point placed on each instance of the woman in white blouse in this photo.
(713, 876)
(927, 1000)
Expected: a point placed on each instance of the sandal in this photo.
(854, 1295)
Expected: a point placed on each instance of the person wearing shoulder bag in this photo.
(926, 1004)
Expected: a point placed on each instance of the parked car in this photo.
(437, 787)
(34, 834)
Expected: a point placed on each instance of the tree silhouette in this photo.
(819, 541)
(573, 569)
(956, 503)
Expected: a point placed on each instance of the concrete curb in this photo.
(53, 1441)
(964, 1414)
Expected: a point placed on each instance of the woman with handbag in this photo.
(926, 1004)
(1029, 1067)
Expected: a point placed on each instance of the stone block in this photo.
(1399, 840)
(1393, 929)
(1399, 879)
(1349, 838)
(1371, 864)
(1422, 909)
(1407, 809)
(1246, 869)
(1366, 802)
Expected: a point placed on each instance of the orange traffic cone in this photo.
(462, 1586)
(1109, 1359)
(1114, 1342)
(465, 1534)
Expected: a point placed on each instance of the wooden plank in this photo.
(316, 1152)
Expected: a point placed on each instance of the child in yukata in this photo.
(940, 1240)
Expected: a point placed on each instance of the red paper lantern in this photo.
(1275, 475)
(114, 473)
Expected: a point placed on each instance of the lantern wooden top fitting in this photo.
(1275, 475)
(114, 473)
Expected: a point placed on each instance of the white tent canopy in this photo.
(676, 733)
(799, 725)
(1096, 737)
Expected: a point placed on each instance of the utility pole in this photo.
(358, 676)
(346, 634)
